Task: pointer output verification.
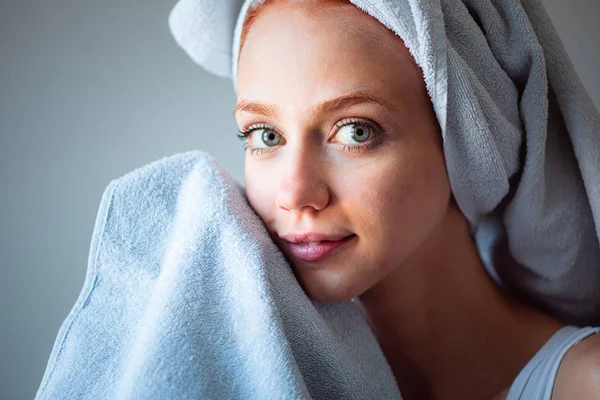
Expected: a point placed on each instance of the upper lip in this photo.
(312, 237)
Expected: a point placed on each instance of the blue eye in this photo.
(261, 137)
(354, 134)
(358, 132)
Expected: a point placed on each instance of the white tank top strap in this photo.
(536, 379)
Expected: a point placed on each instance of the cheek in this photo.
(416, 203)
(397, 204)
(260, 192)
(383, 190)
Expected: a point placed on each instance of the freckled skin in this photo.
(390, 197)
(446, 329)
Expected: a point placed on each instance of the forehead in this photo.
(312, 53)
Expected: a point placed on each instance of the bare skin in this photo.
(466, 339)
(445, 327)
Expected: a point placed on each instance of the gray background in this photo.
(88, 92)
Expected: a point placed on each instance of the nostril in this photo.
(300, 194)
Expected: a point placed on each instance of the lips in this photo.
(314, 246)
(313, 237)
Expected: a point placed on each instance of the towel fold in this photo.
(187, 297)
(521, 134)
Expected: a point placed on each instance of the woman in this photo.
(393, 168)
(345, 167)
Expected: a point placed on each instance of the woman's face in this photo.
(343, 141)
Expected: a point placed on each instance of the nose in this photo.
(303, 183)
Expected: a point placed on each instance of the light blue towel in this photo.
(521, 134)
(187, 297)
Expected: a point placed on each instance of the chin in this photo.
(328, 297)
(328, 290)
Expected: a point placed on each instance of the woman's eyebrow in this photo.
(337, 103)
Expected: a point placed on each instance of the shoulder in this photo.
(502, 395)
(578, 376)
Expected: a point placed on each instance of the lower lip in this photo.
(314, 252)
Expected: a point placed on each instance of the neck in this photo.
(445, 327)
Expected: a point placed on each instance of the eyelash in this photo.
(370, 145)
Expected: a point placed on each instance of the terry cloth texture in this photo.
(187, 297)
(521, 134)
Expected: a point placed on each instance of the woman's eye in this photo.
(355, 133)
(262, 137)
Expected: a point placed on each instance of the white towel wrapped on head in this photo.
(521, 134)
(186, 295)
